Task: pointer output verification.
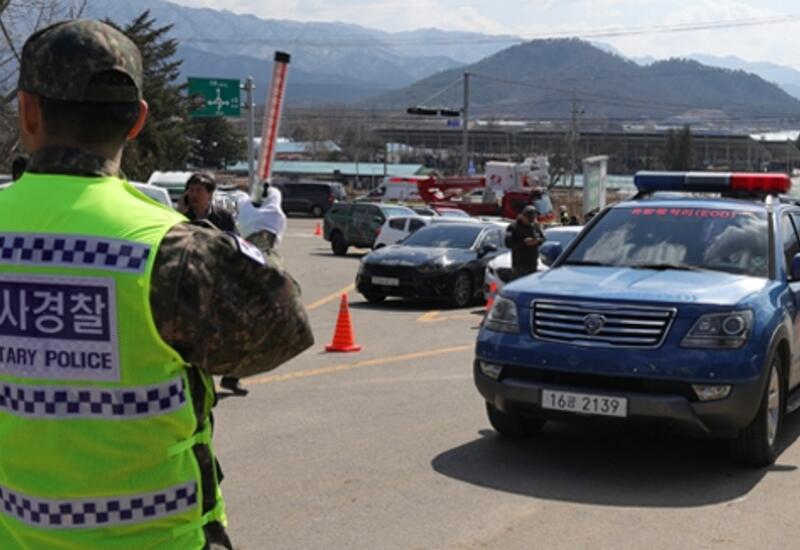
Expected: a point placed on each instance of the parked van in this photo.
(395, 188)
(311, 197)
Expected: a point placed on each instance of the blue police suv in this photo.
(680, 305)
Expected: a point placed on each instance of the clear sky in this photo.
(778, 43)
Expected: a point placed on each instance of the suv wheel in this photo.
(757, 443)
(339, 246)
(511, 425)
(461, 292)
(316, 211)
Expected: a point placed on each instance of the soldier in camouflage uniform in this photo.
(224, 313)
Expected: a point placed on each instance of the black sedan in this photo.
(441, 261)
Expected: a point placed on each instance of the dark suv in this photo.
(310, 197)
(358, 224)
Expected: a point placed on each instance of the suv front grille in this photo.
(600, 324)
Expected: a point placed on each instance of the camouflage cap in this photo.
(60, 61)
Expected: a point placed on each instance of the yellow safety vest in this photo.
(97, 422)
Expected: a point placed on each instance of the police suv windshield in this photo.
(718, 239)
(444, 236)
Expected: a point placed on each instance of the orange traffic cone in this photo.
(318, 230)
(343, 340)
(490, 300)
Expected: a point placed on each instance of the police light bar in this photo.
(713, 182)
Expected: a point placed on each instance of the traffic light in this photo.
(449, 112)
(422, 111)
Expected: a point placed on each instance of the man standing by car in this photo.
(523, 238)
(116, 451)
(197, 202)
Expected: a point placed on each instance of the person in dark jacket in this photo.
(197, 204)
(523, 238)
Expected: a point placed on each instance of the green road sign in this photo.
(215, 97)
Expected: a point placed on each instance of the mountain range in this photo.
(785, 77)
(337, 63)
(538, 79)
(333, 62)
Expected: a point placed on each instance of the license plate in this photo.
(585, 403)
(385, 281)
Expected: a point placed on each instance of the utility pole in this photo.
(250, 107)
(574, 135)
(465, 127)
(358, 153)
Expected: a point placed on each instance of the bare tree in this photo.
(18, 20)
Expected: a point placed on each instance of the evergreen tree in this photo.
(685, 153)
(165, 141)
(670, 147)
(216, 143)
(678, 149)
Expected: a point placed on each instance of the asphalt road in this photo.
(390, 448)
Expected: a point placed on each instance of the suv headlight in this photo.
(720, 330)
(503, 316)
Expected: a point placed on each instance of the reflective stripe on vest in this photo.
(97, 423)
(73, 251)
(86, 513)
(91, 402)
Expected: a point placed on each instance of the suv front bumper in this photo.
(670, 404)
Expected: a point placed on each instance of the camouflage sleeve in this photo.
(221, 310)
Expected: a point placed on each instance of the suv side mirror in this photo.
(487, 249)
(795, 271)
(379, 220)
(549, 253)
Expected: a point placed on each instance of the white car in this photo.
(158, 194)
(174, 182)
(397, 228)
(499, 270)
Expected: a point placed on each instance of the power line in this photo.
(628, 101)
(441, 92)
(368, 41)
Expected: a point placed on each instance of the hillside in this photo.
(354, 54)
(536, 79)
(304, 89)
(785, 77)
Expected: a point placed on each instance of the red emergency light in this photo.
(713, 182)
(760, 183)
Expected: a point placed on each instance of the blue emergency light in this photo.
(713, 182)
